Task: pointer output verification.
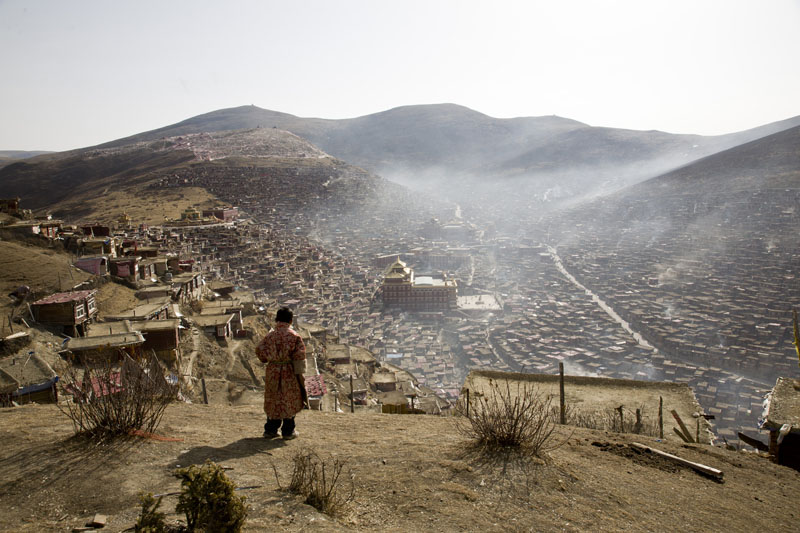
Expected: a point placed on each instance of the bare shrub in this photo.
(318, 480)
(503, 417)
(208, 499)
(113, 399)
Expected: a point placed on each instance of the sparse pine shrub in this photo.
(519, 418)
(319, 482)
(209, 501)
(116, 398)
(151, 520)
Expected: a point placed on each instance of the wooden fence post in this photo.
(205, 394)
(684, 430)
(562, 402)
(352, 396)
(661, 418)
(467, 403)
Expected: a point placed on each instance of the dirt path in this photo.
(188, 362)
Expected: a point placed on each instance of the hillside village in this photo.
(216, 274)
(199, 289)
(175, 273)
(281, 223)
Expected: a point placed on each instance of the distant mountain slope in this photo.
(453, 142)
(10, 156)
(164, 177)
(768, 163)
(21, 154)
(43, 180)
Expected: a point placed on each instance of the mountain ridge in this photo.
(443, 145)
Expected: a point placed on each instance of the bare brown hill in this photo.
(102, 183)
(410, 473)
(43, 181)
(450, 143)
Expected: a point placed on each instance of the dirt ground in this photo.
(149, 206)
(44, 270)
(410, 473)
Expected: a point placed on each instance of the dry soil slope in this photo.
(101, 183)
(411, 473)
(44, 270)
(44, 180)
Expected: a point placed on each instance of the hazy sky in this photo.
(77, 73)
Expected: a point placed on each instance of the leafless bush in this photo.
(318, 480)
(113, 399)
(521, 418)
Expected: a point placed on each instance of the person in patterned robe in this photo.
(284, 353)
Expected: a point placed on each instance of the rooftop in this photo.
(64, 297)
(213, 320)
(784, 405)
(116, 340)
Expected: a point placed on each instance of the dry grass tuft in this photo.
(319, 481)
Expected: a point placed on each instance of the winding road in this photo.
(596, 299)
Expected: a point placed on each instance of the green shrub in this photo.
(208, 500)
(151, 520)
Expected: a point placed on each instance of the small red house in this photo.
(72, 310)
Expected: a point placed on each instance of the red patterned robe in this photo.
(284, 353)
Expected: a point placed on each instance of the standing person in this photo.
(284, 353)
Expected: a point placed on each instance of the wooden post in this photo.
(205, 394)
(352, 396)
(638, 427)
(681, 435)
(562, 402)
(661, 418)
(697, 431)
(684, 430)
(467, 403)
(621, 419)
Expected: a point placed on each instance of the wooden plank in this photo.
(682, 425)
(755, 443)
(704, 469)
(681, 435)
